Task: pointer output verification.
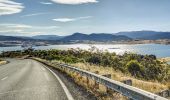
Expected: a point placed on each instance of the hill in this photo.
(11, 38)
(151, 35)
(95, 37)
(163, 35)
(47, 37)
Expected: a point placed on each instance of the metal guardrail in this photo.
(126, 90)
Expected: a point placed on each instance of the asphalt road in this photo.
(29, 80)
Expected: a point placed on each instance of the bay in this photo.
(160, 50)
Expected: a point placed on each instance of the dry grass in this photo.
(100, 92)
(151, 86)
(2, 62)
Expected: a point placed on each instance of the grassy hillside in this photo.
(148, 85)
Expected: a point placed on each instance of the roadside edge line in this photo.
(68, 94)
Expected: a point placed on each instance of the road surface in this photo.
(29, 80)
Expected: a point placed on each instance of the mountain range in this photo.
(95, 37)
(13, 38)
(47, 37)
(73, 37)
(149, 35)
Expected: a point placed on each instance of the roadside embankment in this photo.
(101, 92)
(151, 86)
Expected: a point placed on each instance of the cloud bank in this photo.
(24, 29)
(74, 2)
(16, 28)
(8, 7)
(46, 3)
(35, 14)
(71, 19)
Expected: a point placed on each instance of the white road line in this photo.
(4, 78)
(68, 94)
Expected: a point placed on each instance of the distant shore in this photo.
(166, 42)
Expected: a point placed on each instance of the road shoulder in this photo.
(78, 92)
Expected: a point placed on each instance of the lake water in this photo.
(159, 50)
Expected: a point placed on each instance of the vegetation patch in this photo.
(148, 85)
(142, 69)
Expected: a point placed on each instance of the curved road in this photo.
(29, 80)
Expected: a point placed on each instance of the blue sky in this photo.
(64, 17)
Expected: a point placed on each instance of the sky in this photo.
(65, 17)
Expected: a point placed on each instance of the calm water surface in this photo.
(159, 50)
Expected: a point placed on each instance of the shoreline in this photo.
(132, 42)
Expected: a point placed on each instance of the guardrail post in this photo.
(107, 89)
(87, 82)
(165, 93)
(128, 82)
(96, 84)
(77, 77)
(62, 69)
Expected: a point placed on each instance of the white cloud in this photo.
(46, 3)
(24, 26)
(10, 7)
(64, 19)
(9, 31)
(71, 19)
(13, 28)
(25, 29)
(35, 14)
(19, 26)
(74, 2)
(31, 32)
(46, 27)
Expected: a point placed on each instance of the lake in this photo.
(160, 50)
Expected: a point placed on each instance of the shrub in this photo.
(135, 68)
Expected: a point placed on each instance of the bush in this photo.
(135, 68)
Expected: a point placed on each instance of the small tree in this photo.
(135, 68)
